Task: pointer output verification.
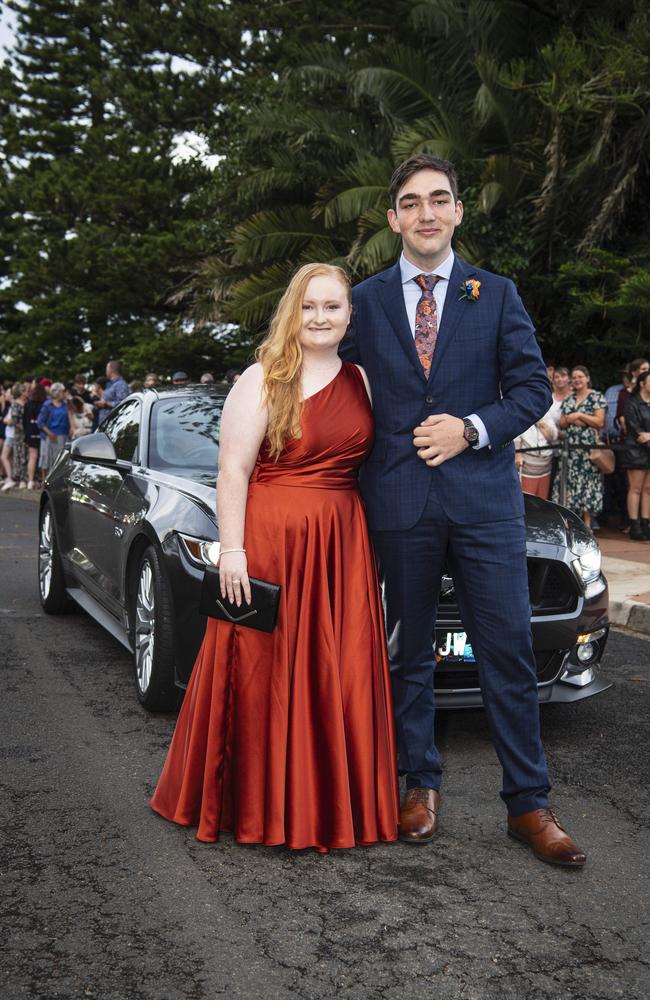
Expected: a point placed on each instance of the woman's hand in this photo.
(233, 576)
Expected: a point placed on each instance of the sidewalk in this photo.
(626, 565)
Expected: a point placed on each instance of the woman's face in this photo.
(325, 313)
(560, 380)
(579, 381)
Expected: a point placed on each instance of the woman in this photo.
(80, 415)
(536, 467)
(19, 393)
(6, 455)
(287, 738)
(635, 458)
(583, 416)
(36, 396)
(634, 369)
(54, 424)
(561, 383)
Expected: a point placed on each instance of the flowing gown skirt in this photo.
(287, 738)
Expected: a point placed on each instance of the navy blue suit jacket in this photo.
(487, 361)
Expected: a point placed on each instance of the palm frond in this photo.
(253, 299)
(440, 134)
(404, 85)
(268, 236)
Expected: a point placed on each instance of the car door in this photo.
(96, 515)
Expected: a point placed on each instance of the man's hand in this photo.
(439, 438)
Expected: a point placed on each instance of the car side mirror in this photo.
(93, 448)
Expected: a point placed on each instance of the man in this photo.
(207, 378)
(180, 378)
(456, 374)
(151, 380)
(116, 390)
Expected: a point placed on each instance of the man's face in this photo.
(426, 217)
(109, 372)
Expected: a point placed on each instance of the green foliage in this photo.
(103, 217)
(543, 107)
(110, 245)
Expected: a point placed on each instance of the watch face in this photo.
(470, 434)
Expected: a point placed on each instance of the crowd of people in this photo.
(38, 416)
(582, 418)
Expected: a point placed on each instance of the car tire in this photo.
(51, 581)
(153, 638)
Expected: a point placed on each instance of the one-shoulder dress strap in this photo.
(354, 369)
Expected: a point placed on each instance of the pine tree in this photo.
(102, 215)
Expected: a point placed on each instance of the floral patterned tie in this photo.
(426, 321)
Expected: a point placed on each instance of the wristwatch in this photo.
(470, 433)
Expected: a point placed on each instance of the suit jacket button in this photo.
(428, 399)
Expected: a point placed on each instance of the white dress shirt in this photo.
(412, 295)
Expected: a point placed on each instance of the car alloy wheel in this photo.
(52, 592)
(45, 555)
(153, 635)
(145, 624)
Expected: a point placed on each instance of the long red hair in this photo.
(280, 355)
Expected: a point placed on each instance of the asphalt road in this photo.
(102, 898)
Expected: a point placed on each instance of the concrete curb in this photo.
(630, 614)
(626, 580)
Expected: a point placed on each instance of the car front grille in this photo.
(552, 586)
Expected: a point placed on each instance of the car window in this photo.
(123, 428)
(184, 436)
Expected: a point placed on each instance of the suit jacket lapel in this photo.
(391, 296)
(454, 309)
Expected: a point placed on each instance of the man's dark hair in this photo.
(115, 366)
(421, 161)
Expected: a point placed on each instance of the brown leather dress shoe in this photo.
(549, 841)
(418, 817)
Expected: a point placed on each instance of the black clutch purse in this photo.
(261, 613)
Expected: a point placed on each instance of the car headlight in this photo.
(201, 551)
(586, 565)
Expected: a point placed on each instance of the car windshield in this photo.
(184, 437)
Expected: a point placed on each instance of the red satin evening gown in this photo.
(287, 738)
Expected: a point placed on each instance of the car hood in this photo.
(201, 490)
(548, 523)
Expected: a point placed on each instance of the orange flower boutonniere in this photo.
(470, 290)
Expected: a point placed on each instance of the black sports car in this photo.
(127, 525)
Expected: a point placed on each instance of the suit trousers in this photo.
(488, 564)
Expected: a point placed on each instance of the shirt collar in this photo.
(409, 271)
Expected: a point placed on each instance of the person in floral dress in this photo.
(582, 417)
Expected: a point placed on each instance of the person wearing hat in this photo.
(180, 378)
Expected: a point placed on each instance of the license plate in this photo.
(454, 647)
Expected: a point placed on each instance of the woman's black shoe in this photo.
(645, 528)
(637, 533)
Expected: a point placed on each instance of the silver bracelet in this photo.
(223, 552)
